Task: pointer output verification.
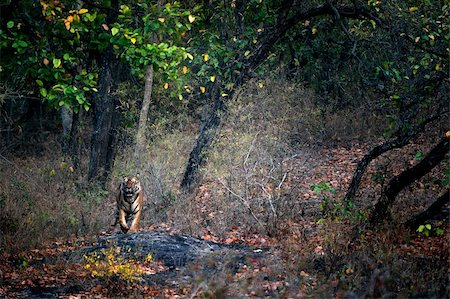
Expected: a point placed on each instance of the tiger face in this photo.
(129, 204)
(130, 186)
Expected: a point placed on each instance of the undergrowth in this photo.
(257, 181)
(109, 265)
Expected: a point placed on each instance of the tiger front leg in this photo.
(123, 221)
(135, 223)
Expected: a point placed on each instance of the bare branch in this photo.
(245, 202)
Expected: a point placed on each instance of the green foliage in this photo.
(378, 177)
(224, 43)
(424, 229)
(439, 231)
(333, 209)
(52, 53)
(57, 42)
(336, 210)
(93, 194)
(22, 262)
(427, 230)
(323, 186)
(155, 38)
(447, 177)
(412, 73)
(419, 156)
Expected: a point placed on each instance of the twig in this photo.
(282, 180)
(250, 149)
(13, 164)
(245, 202)
(198, 288)
(269, 197)
(38, 187)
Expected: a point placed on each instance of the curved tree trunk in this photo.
(407, 177)
(369, 157)
(288, 17)
(208, 131)
(434, 209)
(378, 151)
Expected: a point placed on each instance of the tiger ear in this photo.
(137, 175)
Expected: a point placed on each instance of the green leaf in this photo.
(321, 221)
(39, 82)
(419, 155)
(10, 24)
(21, 43)
(439, 232)
(56, 62)
(420, 228)
(68, 90)
(446, 182)
(80, 99)
(114, 31)
(428, 226)
(43, 91)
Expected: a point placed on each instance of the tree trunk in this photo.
(103, 115)
(208, 131)
(407, 177)
(287, 18)
(434, 209)
(103, 135)
(365, 161)
(140, 137)
(378, 151)
(112, 143)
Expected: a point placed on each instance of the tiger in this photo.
(129, 204)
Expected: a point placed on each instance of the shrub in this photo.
(109, 265)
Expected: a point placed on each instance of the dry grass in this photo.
(42, 201)
(247, 167)
(256, 182)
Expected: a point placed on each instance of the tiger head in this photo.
(131, 186)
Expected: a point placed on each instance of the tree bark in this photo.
(286, 20)
(369, 157)
(407, 177)
(140, 137)
(208, 131)
(434, 209)
(103, 110)
(104, 128)
(378, 151)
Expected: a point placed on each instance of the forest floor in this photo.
(305, 258)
